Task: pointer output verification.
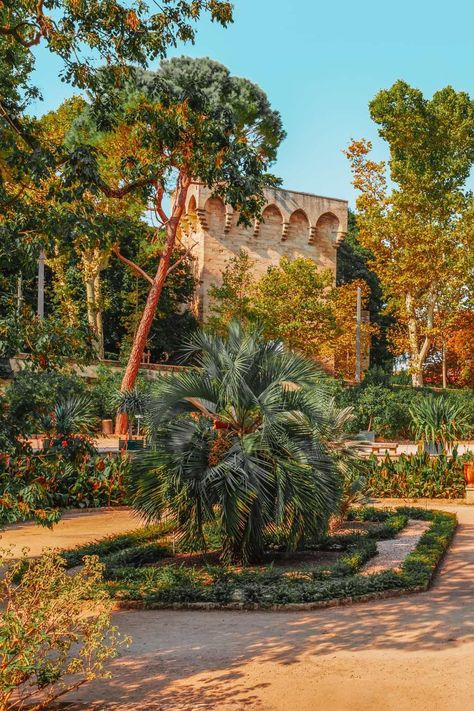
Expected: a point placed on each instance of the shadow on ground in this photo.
(171, 647)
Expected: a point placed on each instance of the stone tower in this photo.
(293, 224)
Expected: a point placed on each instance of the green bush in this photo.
(31, 395)
(386, 410)
(48, 646)
(135, 577)
(112, 544)
(417, 476)
(40, 486)
(440, 421)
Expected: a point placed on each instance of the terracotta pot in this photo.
(107, 427)
(469, 473)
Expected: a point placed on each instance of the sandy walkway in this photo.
(403, 654)
(72, 530)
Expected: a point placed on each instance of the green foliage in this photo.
(48, 646)
(32, 395)
(385, 410)
(415, 211)
(50, 343)
(70, 416)
(293, 302)
(440, 421)
(103, 391)
(268, 585)
(242, 440)
(38, 487)
(417, 476)
(380, 409)
(118, 543)
(233, 298)
(353, 263)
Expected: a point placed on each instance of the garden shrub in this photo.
(385, 410)
(48, 646)
(39, 486)
(134, 557)
(32, 394)
(417, 476)
(122, 542)
(269, 585)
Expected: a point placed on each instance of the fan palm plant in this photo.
(131, 402)
(242, 440)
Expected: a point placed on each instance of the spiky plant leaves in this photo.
(439, 420)
(71, 416)
(243, 440)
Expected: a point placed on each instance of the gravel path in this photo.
(392, 553)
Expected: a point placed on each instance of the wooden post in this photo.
(40, 309)
(358, 334)
(19, 294)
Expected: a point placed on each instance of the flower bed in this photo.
(138, 572)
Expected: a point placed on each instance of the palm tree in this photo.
(241, 441)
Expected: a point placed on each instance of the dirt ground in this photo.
(398, 654)
(74, 528)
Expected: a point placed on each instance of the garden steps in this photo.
(391, 553)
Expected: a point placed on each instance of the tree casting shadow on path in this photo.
(171, 646)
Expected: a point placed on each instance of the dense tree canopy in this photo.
(295, 302)
(420, 232)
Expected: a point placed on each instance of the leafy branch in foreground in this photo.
(51, 641)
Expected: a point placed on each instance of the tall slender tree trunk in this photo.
(418, 354)
(143, 330)
(444, 367)
(93, 261)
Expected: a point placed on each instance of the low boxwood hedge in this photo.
(132, 578)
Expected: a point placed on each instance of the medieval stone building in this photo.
(293, 224)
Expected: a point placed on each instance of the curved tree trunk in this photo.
(143, 330)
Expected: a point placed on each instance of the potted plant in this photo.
(469, 473)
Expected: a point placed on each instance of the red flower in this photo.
(64, 443)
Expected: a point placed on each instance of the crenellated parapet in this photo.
(322, 214)
(292, 224)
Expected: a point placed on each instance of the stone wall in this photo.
(293, 224)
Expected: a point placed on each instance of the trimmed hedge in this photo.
(131, 576)
(113, 544)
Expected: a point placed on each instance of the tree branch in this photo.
(181, 259)
(121, 192)
(158, 206)
(132, 265)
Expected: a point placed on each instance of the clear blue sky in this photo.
(321, 63)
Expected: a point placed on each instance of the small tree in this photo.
(50, 643)
(233, 298)
(243, 441)
(297, 303)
